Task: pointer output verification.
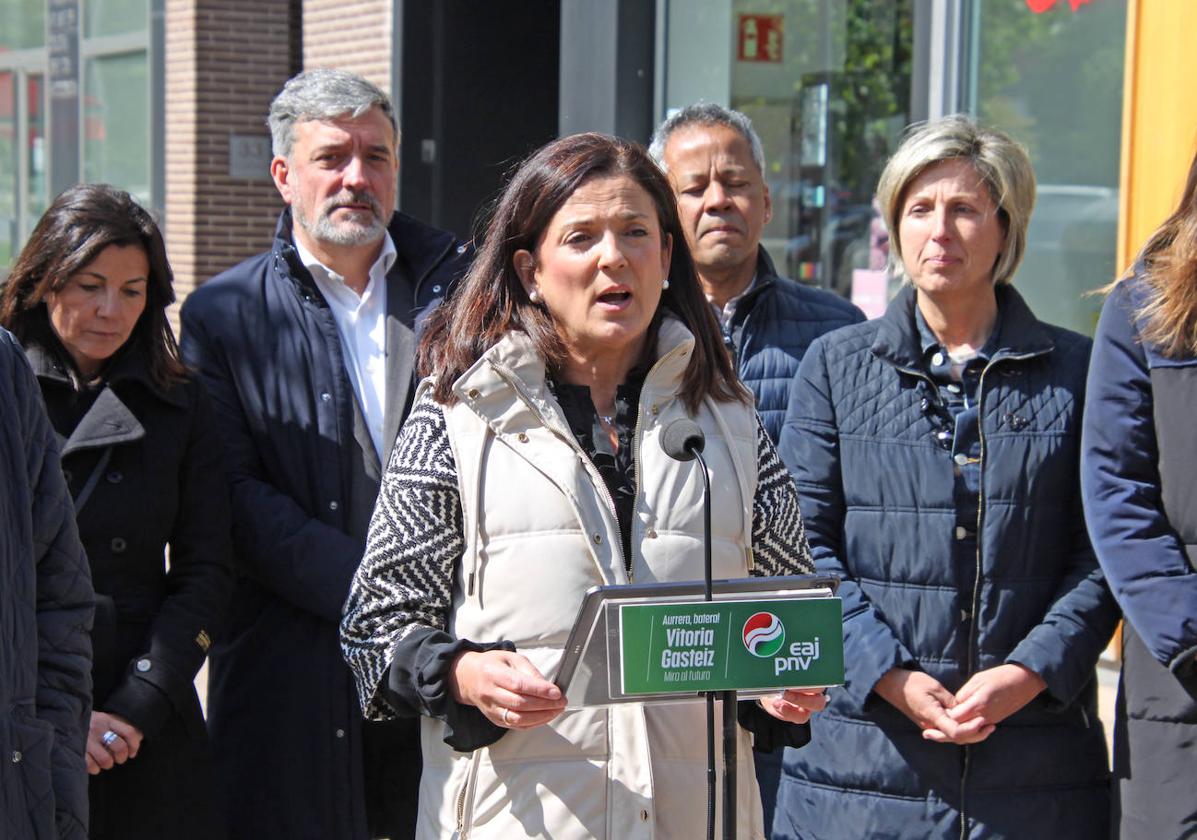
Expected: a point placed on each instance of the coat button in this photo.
(472, 393)
(333, 505)
(961, 532)
(650, 534)
(523, 438)
(144, 665)
(643, 815)
(598, 539)
(118, 545)
(965, 616)
(436, 290)
(937, 359)
(16, 756)
(326, 397)
(960, 458)
(115, 477)
(340, 733)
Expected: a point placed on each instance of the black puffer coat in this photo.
(45, 615)
(158, 480)
(877, 494)
(1139, 476)
(291, 754)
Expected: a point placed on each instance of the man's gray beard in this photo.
(323, 229)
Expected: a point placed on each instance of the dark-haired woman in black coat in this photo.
(87, 298)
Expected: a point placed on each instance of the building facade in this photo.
(167, 98)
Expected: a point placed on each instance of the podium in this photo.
(663, 642)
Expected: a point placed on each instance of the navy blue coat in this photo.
(876, 490)
(1139, 477)
(774, 325)
(46, 605)
(283, 709)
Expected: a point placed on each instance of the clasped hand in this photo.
(122, 748)
(970, 715)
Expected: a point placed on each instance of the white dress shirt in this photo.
(361, 323)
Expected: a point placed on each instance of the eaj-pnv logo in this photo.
(764, 634)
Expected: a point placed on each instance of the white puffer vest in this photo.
(540, 530)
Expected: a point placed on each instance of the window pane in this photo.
(8, 170)
(115, 17)
(1028, 69)
(22, 24)
(116, 123)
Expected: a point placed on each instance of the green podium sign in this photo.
(744, 645)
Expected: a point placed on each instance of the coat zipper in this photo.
(974, 604)
(471, 774)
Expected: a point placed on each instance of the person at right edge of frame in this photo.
(46, 608)
(936, 452)
(308, 351)
(1139, 483)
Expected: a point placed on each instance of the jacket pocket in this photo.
(31, 743)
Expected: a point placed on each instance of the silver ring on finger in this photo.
(109, 738)
(506, 720)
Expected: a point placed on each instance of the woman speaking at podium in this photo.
(530, 470)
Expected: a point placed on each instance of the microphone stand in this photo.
(728, 697)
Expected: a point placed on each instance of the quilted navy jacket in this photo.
(1139, 477)
(774, 325)
(46, 605)
(876, 489)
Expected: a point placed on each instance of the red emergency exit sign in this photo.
(760, 38)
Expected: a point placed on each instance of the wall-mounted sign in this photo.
(249, 156)
(62, 78)
(760, 38)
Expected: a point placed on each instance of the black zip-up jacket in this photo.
(303, 476)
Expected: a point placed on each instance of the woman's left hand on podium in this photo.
(795, 705)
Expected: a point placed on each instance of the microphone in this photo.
(682, 439)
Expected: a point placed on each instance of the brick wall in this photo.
(354, 35)
(225, 60)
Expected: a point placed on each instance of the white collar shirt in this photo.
(361, 324)
(728, 313)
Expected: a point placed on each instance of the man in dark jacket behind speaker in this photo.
(308, 351)
(716, 163)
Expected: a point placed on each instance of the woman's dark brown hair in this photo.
(491, 301)
(82, 222)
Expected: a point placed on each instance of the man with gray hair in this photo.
(716, 163)
(308, 351)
